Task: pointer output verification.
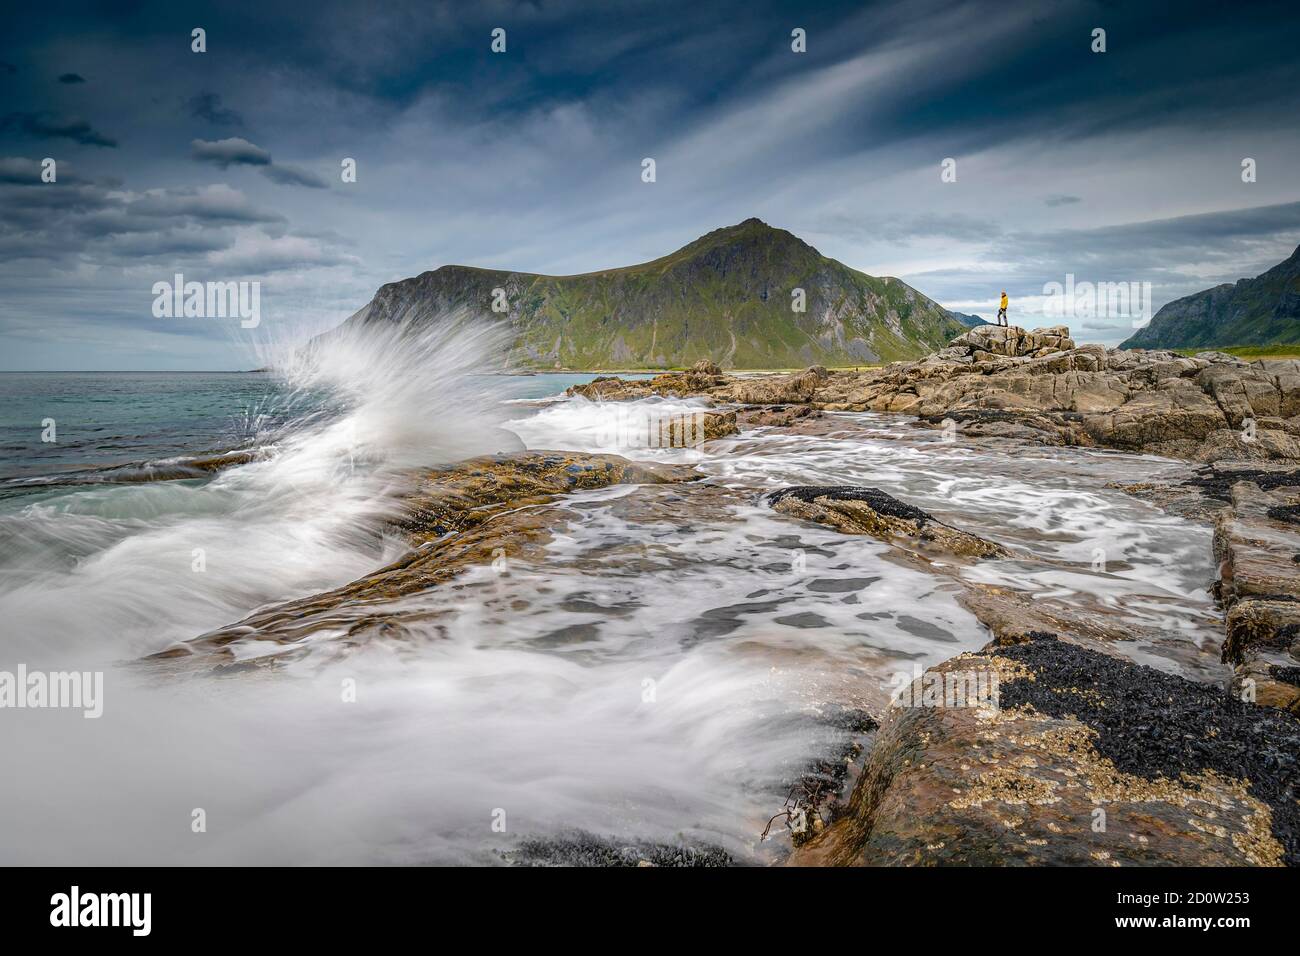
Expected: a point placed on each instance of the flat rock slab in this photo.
(777, 416)
(1086, 759)
(1257, 544)
(464, 495)
(697, 380)
(858, 510)
(469, 514)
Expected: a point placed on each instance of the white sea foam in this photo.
(635, 429)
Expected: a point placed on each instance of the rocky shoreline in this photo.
(1039, 386)
(1187, 773)
(475, 513)
(1084, 756)
(1241, 419)
(1088, 759)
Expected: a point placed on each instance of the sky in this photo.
(227, 165)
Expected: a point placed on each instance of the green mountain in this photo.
(727, 297)
(1260, 311)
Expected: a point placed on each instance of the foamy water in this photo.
(676, 656)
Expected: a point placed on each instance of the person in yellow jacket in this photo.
(1002, 310)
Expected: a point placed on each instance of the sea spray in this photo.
(102, 574)
(413, 397)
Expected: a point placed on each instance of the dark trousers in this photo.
(1002, 316)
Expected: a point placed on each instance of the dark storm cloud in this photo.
(906, 228)
(1124, 164)
(207, 107)
(68, 220)
(18, 169)
(218, 203)
(1002, 69)
(70, 78)
(1134, 251)
(235, 151)
(1042, 76)
(294, 176)
(54, 126)
(1156, 245)
(44, 206)
(1147, 247)
(170, 244)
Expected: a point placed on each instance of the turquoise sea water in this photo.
(112, 418)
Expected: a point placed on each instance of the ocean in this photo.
(104, 419)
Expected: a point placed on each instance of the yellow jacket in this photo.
(1004, 301)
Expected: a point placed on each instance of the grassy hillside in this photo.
(726, 297)
(1251, 351)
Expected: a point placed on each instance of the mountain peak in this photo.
(751, 225)
(729, 296)
(751, 233)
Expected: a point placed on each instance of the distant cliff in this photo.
(1260, 311)
(967, 319)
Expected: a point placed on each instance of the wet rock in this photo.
(1255, 542)
(1255, 624)
(1269, 685)
(705, 379)
(699, 427)
(1085, 759)
(471, 514)
(701, 379)
(995, 423)
(1012, 615)
(815, 798)
(776, 416)
(179, 468)
(214, 463)
(466, 495)
(857, 510)
(1177, 499)
(1265, 445)
(1218, 480)
(611, 388)
(1047, 389)
(1044, 388)
(774, 389)
(1013, 341)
